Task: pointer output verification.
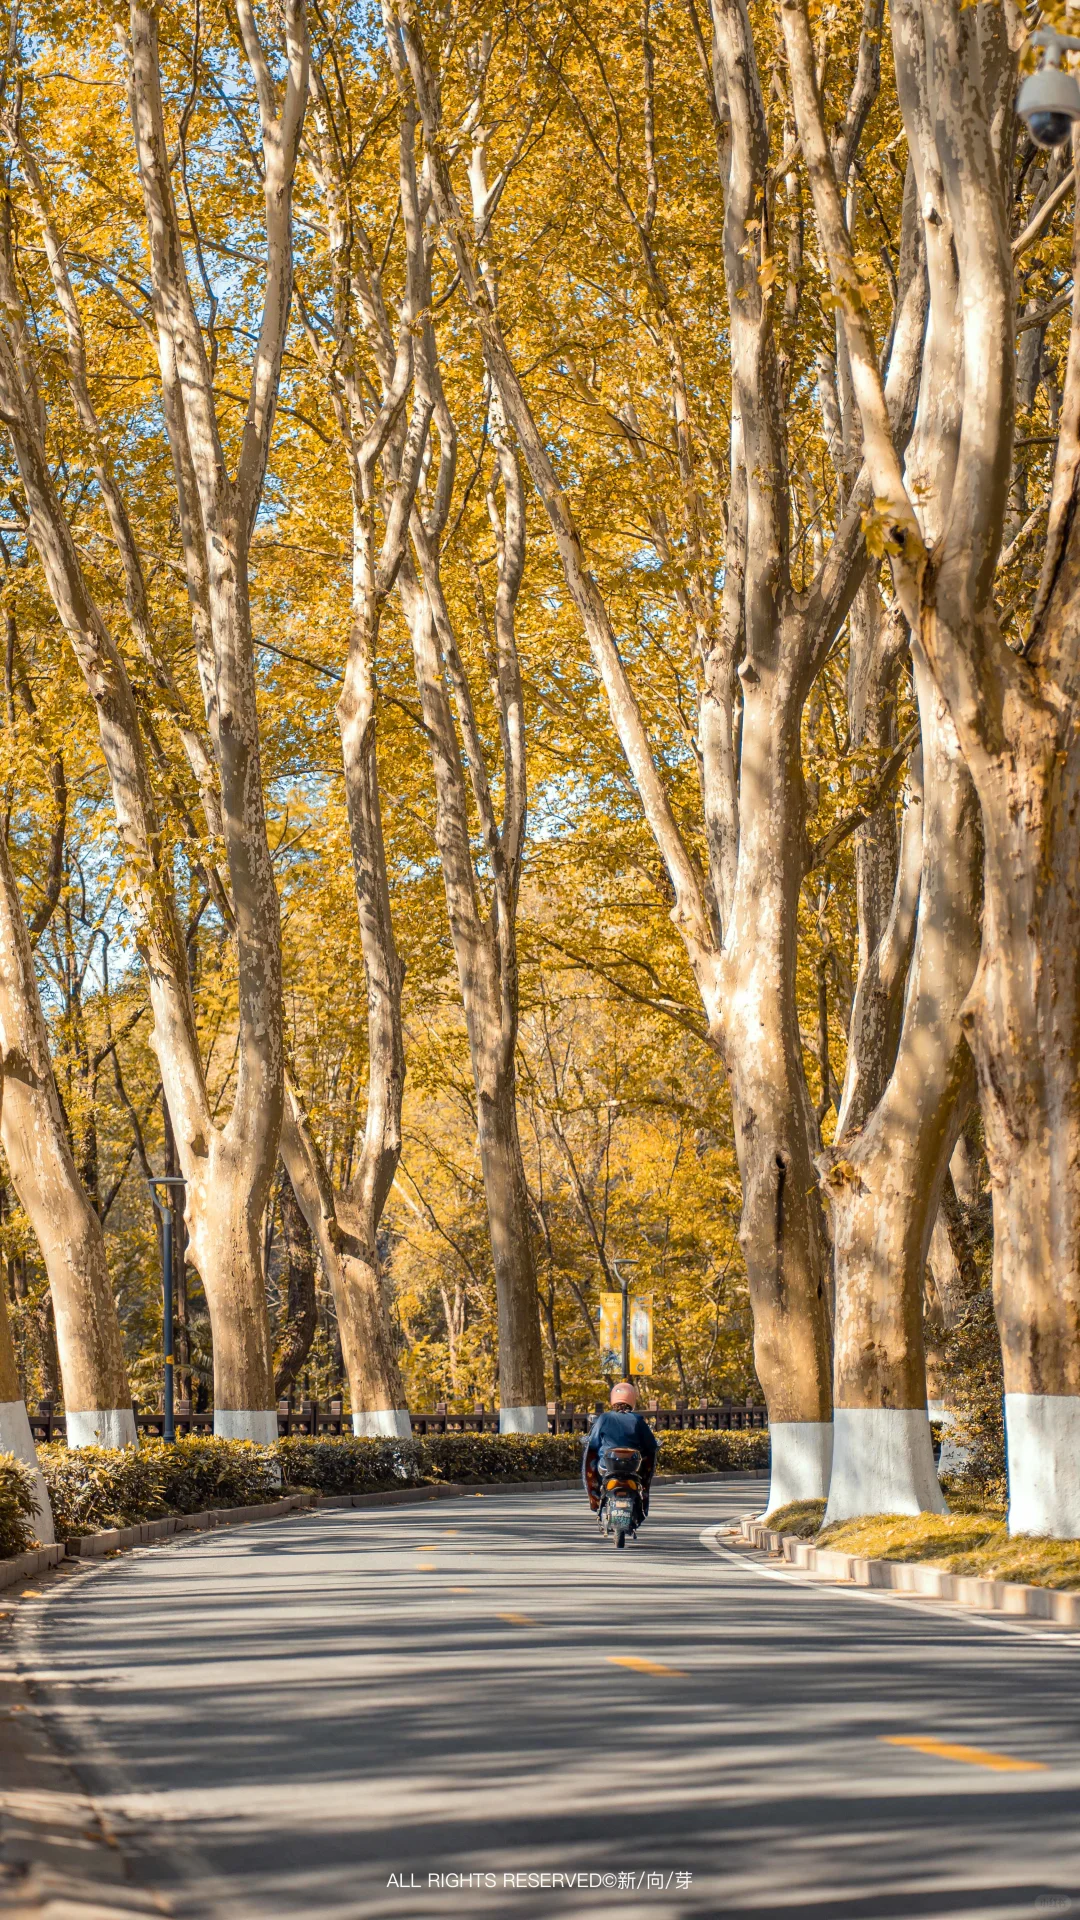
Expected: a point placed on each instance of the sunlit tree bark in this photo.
(1015, 714)
(15, 1434)
(884, 1173)
(97, 1397)
(383, 423)
(227, 1168)
(759, 660)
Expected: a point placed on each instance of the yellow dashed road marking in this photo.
(967, 1756)
(459, 1589)
(517, 1619)
(643, 1666)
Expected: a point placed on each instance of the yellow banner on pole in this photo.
(641, 1360)
(611, 1330)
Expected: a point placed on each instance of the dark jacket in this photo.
(618, 1427)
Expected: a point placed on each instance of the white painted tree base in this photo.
(1042, 1448)
(801, 1458)
(523, 1420)
(16, 1438)
(238, 1423)
(883, 1462)
(384, 1423)
(954, 1457)
(101, 1427)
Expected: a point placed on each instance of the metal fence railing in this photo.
(315, 1417)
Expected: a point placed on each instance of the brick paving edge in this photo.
(919, 1577)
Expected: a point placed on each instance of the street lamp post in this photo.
(163, 1208)
(625, 1285)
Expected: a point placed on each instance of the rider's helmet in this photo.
(624, 1395)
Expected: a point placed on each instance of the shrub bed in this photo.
(350, 1464)
(18, 1507)
(714, 1452)
(501, 1456)
(94, 1488)
(199, 1472)
(355, 1465)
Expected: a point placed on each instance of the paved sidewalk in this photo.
(58, 1860)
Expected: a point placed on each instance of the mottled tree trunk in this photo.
(1015, 712)
(487, 970)
(224, 1213)
(228, 1168)
(755, 1021)
(366, 1329)
(15, 1435)
(884, 1179)
(181, 1322)
(370, 411)
(1016, 716)
(523, 1407)
(299, 1315)
(97, 1397)
(952, 1281)
(753, 789)
(887, 865)
(1024, 1026)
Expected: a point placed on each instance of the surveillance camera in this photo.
(1048, 102)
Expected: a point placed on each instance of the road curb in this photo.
(916, 1576)
(26, 1565)
(95, 1546)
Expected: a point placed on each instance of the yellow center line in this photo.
(517, 1619)
(968, 1756)
(427, 1566)
(643, 1666)
(460, 1589)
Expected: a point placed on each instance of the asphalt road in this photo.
(280, 1718)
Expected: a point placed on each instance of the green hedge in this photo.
(199, 1472)
(714, 1452)
(18, 1507)
(94, 1488)
(501, 1456)
(355, 1465)
(350, 1464)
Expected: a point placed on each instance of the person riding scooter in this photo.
(621, 1426)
